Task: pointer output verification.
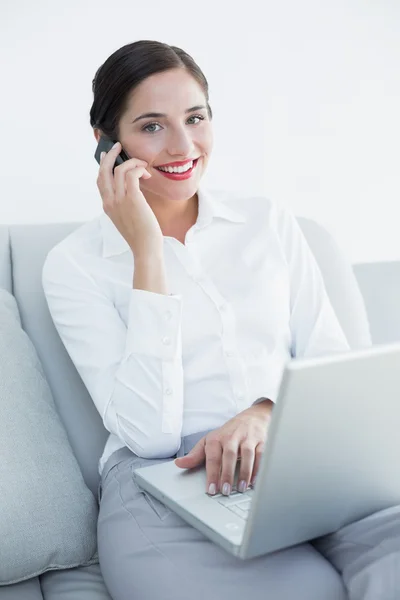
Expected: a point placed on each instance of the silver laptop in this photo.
(331, 458)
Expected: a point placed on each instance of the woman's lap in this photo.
(147, 550)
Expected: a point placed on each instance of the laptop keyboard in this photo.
(239, 503)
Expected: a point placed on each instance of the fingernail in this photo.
(253, 482)
(102, 155)
(212, 489)
(115, 145)
(242, 486)
(226, 489)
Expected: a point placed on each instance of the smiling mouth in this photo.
(178, 170)
(179, 173)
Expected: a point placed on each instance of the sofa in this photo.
(365, 297)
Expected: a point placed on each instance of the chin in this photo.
(177, 191)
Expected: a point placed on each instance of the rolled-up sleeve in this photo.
(314, 326)
(132, 371)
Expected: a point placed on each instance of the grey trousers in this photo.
(146, 551)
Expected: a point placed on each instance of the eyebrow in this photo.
(155, 115)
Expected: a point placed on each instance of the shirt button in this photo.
(223, 307)
(230, 353)
(168, 391)
(240, 397)
(168, 315)
(166, 341)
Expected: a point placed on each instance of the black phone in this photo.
(105, 144)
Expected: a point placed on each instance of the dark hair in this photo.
(128, 67)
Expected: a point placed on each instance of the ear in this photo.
(97, 134)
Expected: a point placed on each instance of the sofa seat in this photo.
(86, 583)
(25, 590)
(23, 249)
(82, 583)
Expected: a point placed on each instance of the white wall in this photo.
(305, 95)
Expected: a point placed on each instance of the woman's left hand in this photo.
(242, 437)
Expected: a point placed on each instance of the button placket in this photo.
(190, 235)
(234, 363)
(190, 263)
(235, 366)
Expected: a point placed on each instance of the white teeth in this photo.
(182, 169)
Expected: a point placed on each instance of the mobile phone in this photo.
(105, 144)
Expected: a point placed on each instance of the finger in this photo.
(105, 179)
(108, 160)
(105, 184)
(229, 461)
(257, 461)
(130, 181)
(195, 457)
(213, 451)
(247, 451)
(130, 163)
(121, 171)
(107, 164)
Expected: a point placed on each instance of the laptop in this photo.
(331, 457)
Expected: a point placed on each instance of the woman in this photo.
(179, 308)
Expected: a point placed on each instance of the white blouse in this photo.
(245, 296)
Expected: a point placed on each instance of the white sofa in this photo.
(23, 249)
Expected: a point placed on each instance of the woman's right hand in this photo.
(125, 204)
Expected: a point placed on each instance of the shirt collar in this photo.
(210, 207)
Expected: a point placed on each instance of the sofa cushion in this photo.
(340, 283)
(48, 516)
(380, 285)
(29, 589)
(5, 259)
(30, 245)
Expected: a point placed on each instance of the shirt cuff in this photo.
(262, 400)
(154, 325)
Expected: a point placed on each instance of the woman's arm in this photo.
(133, 373)
(149, 275)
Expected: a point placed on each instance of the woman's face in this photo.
(182, 132)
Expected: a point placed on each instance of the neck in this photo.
(174, 217)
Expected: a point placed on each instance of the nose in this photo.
(180, 142)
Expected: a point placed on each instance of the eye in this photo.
(196, 117)
(146, 127)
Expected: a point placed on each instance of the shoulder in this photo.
(255, 208)
(80, 244)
